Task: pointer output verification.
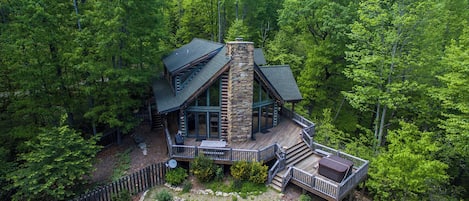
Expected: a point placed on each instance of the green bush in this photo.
(240, 170)
(304, 197)
(164, 195)
(259, 173)
(203, 168)
(176, 176)
(219, 174)
(249, 171)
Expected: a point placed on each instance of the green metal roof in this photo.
(282, 80)
(167, 100)
(259, 58)
(190, 52)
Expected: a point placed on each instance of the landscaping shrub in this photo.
(254, 171)
(219, 174)
(176, 176)
(203, 168)
(304, 197)
(259, 173)
(240, 170)
(164, 195)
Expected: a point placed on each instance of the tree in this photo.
(119, 54)
(315, 31)
(408, 170)
(236, 30)
(328, 134)
(57, 160)
(453, 97)
(385, 78)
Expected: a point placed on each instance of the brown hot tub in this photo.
(335, 168)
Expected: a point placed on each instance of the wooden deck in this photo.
(291, 130)
(286, 133)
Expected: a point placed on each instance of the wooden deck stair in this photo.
(294, 155)
(157, 121)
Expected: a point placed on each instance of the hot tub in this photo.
(335, 168)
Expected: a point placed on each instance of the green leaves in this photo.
(57, 161)
(409, 170)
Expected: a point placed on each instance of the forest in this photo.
(385, 80)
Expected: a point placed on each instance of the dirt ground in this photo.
(156, 152)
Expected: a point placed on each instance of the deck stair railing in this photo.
(279, 164)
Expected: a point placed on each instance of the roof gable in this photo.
(189, 53)
(282, 80)
(167, 101)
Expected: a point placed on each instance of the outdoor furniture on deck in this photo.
(213, 143)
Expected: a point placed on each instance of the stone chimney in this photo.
(240, 84)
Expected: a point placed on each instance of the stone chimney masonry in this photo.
(240, 90)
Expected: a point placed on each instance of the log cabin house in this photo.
(224, 102)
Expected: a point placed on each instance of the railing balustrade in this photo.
(273, 171)
(326, 187)
(286, 178)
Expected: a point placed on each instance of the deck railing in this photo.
(337, 191)
(222, 153)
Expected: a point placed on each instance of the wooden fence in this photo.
(152, 175)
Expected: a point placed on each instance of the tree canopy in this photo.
(385, 80)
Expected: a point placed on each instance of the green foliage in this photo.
(408, 171)
(241, 170)
(122, 165)
(186, 186)
(58, 159)
(203, 168)
(219, 173)
(254, 171)
(258, 173)
(122, 196)
(164, 195)
(238, 30)
(176, 176)
(251, 187)
(305, 197)
(327, 134)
